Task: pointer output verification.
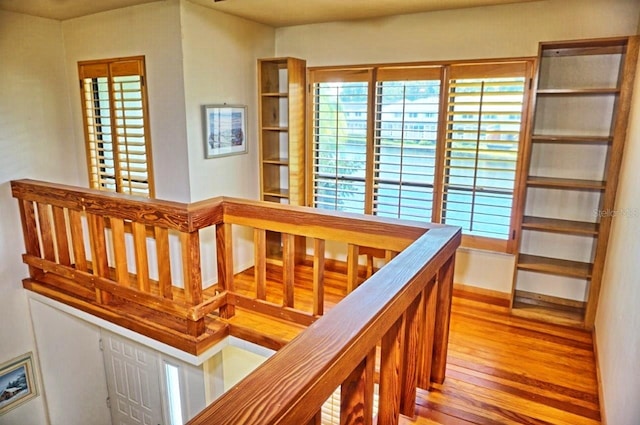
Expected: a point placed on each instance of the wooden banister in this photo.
(403, 307)
(291, 386)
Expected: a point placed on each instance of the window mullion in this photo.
(474, 188)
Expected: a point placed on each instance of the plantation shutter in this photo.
(116, 128)
(484, 130)
(339, 134)
(406, 123)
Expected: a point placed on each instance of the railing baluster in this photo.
(77, 240)
(164, 262)
(62, 241)
(142, 262)
(46, 232)
(260, 262)
(99, 260)
(352, 268)
(391, 364)
(428, 313)
(224, 253)
(288, 269)
(318, 276)
(356, 393)
(443, 313)
(30, 232)
(316, 420)
(412, 349)
(120, 251)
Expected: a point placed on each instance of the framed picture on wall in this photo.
(225, 130)
(17, 382)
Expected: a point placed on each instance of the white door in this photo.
(133, 381)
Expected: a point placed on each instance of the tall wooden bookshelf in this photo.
(281, 103)
(580, 110)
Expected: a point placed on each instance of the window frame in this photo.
(110, 69)
(377, 73)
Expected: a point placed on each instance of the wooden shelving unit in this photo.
(281, 102)
(572, 161)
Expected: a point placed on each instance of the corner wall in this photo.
(618, 319)
(36, 141)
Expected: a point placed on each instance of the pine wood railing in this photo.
(118, 256)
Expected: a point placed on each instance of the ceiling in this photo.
(276, 13)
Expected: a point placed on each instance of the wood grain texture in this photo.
(508, 370)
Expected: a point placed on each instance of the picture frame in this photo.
(225, 130)
(17, 382)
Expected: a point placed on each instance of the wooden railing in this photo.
(118, 257)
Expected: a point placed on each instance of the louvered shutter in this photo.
(116, 127)
(407, 106)
(339, 134)
(484, 129)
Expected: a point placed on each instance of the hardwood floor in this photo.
(509, 370)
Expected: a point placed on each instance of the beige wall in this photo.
(512, 30)
(152, 30)
(618, 318)
(220, 54)
(36, 141)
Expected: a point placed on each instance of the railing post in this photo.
(356, 393)
(288, 269)
(99, 259)
(412, 349)
(443, 313)
(30, 233)
(428, 313)
(192, 278)
(224, 254)
(391, 365)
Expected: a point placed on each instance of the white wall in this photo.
(618, 319)
(220, 66)
(72, 367)
(220, 61)
(36, 141)
(512, 30)
(152, 30)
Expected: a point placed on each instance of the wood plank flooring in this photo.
(509, 370)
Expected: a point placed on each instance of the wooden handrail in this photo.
(403, 308)
(291, 386)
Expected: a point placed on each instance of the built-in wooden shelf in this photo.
(542, 307)
(558, 183)
(578, 91)
(275, 94)
(276, 161)
(555, 266)
(275, 128)
(541, 138)
(276, 192)
(560, 226)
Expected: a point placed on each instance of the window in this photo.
(405, 143)
(115, 116)
(428, 143)
(340, 110)
(484, 124)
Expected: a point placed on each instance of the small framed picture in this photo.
(17, 382)
(225, 130)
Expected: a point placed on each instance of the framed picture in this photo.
(17, 382)
(225, 130)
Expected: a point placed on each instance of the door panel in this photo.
(133, 381)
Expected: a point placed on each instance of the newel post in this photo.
(192, 278)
